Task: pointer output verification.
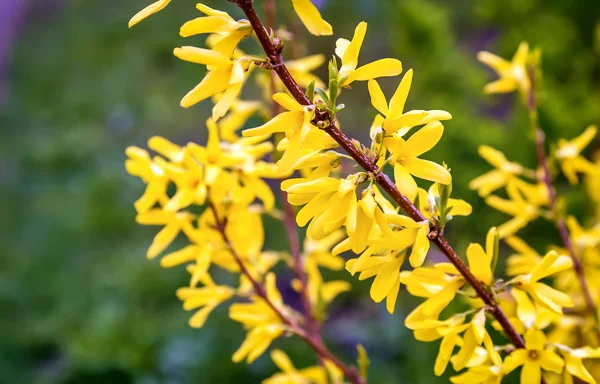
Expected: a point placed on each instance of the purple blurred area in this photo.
(13, 17)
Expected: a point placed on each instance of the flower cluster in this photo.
(216, 197)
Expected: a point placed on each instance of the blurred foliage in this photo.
(78, 301)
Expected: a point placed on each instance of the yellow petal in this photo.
(162, 240)
(199, 318)
(552, 298)
(582, 141)
(405, 122)
(212, 12)
(497, 63)
(211, 24)
(315, 207)
(214, 82)
(502, 85)
(377, 97)
(226, 101)
(446, 349)
(359, 237)
(514, 360)
(525, 309)
(184, 255)
(202, 56)
(148, 11)
(322, 184)
(479, 263)
(379, 68)
(522, 53)
(424, 139)
(420, 247)
(531, 372)
(310, 16)
(287, 102)
(386, 279)
(350, 57)
(535, 339)
(404, 181)
(281, 123)
(282, 361)
(551, 361)
(576, 368)
(399, 99)
(390, 302)
(428, 170)
(466, 352)
(460, 207)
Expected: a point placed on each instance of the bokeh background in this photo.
(79, 303)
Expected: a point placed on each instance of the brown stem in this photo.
(316, 343)
(543, 163)
(383, 180)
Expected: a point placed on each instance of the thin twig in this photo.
(382, 180)
(316, 343)
(543, 163)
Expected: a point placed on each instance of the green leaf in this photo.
(310, 90)
(323, 95)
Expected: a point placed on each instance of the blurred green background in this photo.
(79, 303)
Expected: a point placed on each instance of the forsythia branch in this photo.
(276, 59)
(542, 158)
(314, 341)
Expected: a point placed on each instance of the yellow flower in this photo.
(348, 51)
(239, 114)
(173, 224)
(290, 375)
(139, 164)
(505, 171)
(541, 293)
(513, 74)
(297, 127)
(206, 298)
(533, 358)
(428, 205)
(395, 119)
(331, 203)
(386, 270)
(571, 162)
(574, 364)
(217, 22)
(311, 18)
(148, 11)
(224, 75)
(406, 161)
(581, 238)
(480, 260)
(435, 284)
(522, 209)
(473, 337)
(260, 320)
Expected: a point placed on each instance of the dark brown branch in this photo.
(383, 180)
